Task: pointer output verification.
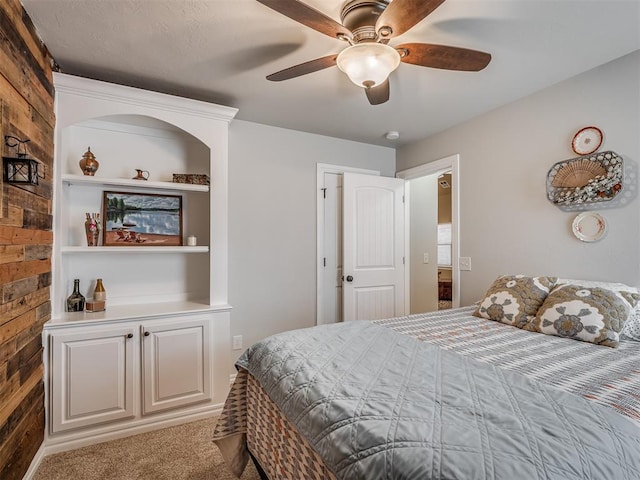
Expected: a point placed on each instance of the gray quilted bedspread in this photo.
(377, 404)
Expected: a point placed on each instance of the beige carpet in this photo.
(175, 453)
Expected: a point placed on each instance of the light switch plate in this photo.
(465, 263)
(425, 258)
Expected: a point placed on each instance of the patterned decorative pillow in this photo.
(631, 330)
(615, 287)
(514, 299)
(594, 315)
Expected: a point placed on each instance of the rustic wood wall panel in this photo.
(26, 111)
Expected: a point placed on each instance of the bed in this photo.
(440, 395)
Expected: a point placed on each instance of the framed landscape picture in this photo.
(141, 219)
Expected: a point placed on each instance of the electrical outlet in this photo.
(465, 263)
(425, 258)
(237, 342)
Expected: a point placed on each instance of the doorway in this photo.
(428, 250)
(434, 173)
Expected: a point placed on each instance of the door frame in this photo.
(321, 169)
(450, 163)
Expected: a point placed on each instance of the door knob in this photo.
(349, 278)
(130, 335)
(146, 334)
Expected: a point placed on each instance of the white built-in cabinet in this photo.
(99, 370)
(175, 362)
(92, 373)
(159, 353)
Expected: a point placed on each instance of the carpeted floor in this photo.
(176, 453)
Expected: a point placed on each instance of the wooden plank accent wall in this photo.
(26, 237)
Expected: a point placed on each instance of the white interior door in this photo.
(373, 247)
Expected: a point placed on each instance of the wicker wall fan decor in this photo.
(579, 183)
(578, 173)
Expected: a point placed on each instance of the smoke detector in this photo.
(392, 135)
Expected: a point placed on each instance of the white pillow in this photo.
(631, 329)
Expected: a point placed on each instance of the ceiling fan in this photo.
(368, 25)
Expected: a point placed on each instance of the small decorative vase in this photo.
(100, 293)
(75, 301)
(89, 165)
(92, 229)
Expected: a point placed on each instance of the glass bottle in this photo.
(75, 302)
(100, 293)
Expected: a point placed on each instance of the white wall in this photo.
(272, 222)
(423, 233)
(507, 223)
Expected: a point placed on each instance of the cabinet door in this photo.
(91, 377)
(176, 366)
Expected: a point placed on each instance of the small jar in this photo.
(100, 293)
(88, 164)
(192, 241)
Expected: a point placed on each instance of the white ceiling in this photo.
(221, 50)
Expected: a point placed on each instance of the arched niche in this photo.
(123, 143)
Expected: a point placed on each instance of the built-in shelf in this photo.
(133, 312)
(167, 317)
(136, 249)
(71, 179)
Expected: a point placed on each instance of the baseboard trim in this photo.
(56, 445)
(35, 463)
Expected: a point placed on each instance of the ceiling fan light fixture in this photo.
(368, 64)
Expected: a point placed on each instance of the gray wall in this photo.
(272, 222)
(507, 224)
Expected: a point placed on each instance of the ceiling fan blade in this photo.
(401, 15)
(312, 18)
(443, 56)
(378, 94)
(304, 68)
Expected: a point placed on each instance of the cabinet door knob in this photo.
(130, 335)
(349, 278)
(146, 334)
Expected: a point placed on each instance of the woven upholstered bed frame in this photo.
(275, 445)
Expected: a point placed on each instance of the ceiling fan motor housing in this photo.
(360, 16)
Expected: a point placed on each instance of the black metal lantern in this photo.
(20, 170)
